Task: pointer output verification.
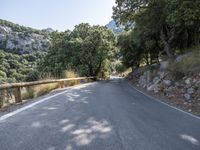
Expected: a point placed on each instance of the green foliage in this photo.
(120, 68)
(83, 50)
(2, 74)
(14, 67)
(32, 76)
(157, 27)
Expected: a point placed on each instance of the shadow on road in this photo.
(99, 116)
(66, 119)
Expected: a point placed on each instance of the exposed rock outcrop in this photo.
(20, 39)
(183, 92)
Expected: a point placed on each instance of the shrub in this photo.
(2, 74)
(18, 76)
(32, 76)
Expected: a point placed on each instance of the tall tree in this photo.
(168, 20)
(95, 45)
(84, 50)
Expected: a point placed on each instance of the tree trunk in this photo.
(168, 51)
(90, 70)
(167, 41)
(98, 69)
(168, 36)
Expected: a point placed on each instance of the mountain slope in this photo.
(114, 28)
(20, 39)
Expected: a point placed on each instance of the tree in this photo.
(167, 20)
(83, 50)
(93, 48)
(125, 10)
(32, 76)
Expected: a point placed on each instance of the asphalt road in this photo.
(107, 115)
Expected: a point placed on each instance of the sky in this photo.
(57, 14)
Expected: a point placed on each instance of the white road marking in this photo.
(164, 102)
(6, 116)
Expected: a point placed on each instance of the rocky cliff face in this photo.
(20, 39)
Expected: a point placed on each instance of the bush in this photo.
(120, 68)
(18, 66)
(2, 74)
(18, 76)
(32, 76)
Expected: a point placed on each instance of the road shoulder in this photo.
(27, 102)
(162, 99)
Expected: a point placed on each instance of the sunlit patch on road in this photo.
(190, 139)
(67, 128)
(36, 124)
(93, 129)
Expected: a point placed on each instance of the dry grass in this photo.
(27, 93)
(6, 98)
(71, 74)
(45, 88)
(38, 90)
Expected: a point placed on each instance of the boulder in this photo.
(188, 81)
(155, 79)
(164, 65)
(190, 90)
(167, 82)
(187, 96)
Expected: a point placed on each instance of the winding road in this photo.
(105, 115)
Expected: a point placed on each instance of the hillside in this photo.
(18, 68)
(21, 49)
(19, 39)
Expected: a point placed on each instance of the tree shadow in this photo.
(69, 121)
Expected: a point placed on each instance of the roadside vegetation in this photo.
(162, 46)
(19, 68)
(87, 50)
(156, 29)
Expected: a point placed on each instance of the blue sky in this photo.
(57, 14)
